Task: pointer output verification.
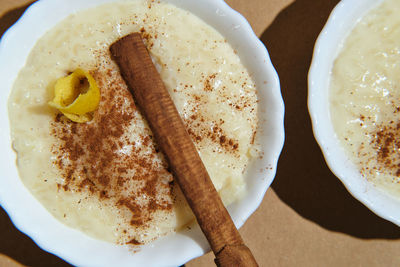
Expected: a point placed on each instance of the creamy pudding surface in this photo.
(365, 96)
(106, 177)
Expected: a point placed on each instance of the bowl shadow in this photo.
(21, 248)
(303, 180)
(9, 18)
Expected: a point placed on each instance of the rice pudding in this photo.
(106, 177)
(365, 96)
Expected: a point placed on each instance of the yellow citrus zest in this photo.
(76, 96)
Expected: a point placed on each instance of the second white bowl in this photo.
(342, 20)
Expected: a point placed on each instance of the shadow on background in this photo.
(9, 18)
(21, 248)
(303, 180)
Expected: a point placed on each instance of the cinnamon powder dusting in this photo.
(386, 142)
(100, 159)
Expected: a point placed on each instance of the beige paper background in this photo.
(307, 218)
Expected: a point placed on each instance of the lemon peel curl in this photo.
(76, 96)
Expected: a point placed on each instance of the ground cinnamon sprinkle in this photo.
(134, 242)
(386, 142)
(208, 82)
(100, 159)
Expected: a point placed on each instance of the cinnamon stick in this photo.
(156, 105)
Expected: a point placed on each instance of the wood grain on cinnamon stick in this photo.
(156, 105)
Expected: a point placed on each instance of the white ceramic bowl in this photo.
(73, 246)
(342, 20)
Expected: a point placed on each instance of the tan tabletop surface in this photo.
(307, 218)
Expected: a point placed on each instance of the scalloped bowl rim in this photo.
(31, 217)
(340, 23)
